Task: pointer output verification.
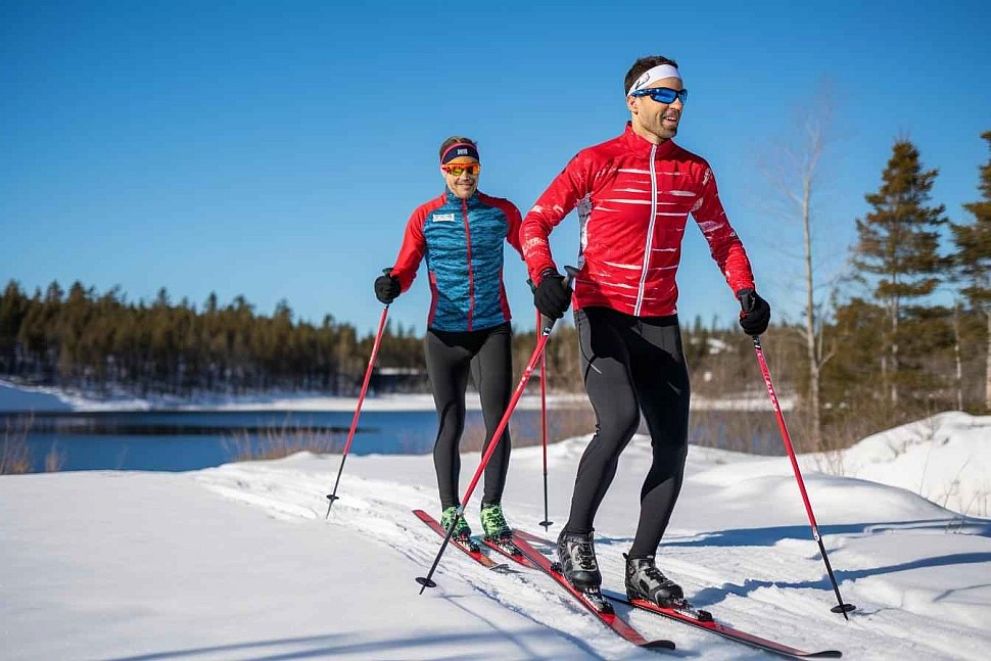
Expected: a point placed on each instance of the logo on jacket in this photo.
(442, 218)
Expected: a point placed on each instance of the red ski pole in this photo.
(357, 411)
(546, 523)
(546, 326)
(841, 607)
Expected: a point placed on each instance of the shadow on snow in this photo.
(742, 537)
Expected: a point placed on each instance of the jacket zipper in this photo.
(471, 277)
(650, 232)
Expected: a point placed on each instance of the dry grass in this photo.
(526, 431)
(15, 455)
(281, 442)
(54, 459)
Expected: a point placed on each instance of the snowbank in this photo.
(945, 458)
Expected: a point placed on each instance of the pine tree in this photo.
(898, 245)
(973, 260)
(13, 308)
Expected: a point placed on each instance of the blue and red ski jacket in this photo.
(462, 242)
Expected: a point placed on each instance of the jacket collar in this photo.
(451, 198)
(640, 145)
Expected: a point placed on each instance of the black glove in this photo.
(387, 288)
(552, 297)
(756, 313)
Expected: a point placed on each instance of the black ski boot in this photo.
(578, 564)
(645, 581)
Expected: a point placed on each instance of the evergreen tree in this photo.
(13, 308)
(897, 250)
(973, 261)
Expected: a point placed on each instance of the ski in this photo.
(533, 539)
(606, 616)
(512, 552)
(472, 550)
(703, 620)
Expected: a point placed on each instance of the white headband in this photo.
(653, 75)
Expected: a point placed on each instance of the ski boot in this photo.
(496, 530)
(645, 581)
(462, 532)
(578, 564)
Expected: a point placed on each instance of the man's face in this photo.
(461, 177)
(653, 118)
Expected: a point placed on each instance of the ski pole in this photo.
(357, 411)
(546, 523)
(546, 326)
(841, 607)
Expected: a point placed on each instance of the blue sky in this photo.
(275, 150)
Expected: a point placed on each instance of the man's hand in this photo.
(552, 296)
(387, 288)
(756, 313)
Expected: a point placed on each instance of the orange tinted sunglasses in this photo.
(457, 170)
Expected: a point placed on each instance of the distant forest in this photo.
(83, 339)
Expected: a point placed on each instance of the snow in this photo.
(15, 397)
(238, 562)
(945, 458)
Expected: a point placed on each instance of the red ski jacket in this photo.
(633, 200)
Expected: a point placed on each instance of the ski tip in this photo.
(826, 654)
(659, 645)
(425, 582)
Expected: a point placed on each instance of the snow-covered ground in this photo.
(40, 398)
(946, 458)
(43, 398)
(238, 562)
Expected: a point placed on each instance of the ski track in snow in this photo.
(391, 522)
(778, 591)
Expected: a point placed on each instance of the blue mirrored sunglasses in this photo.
(663, 94)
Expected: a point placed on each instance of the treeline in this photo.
(94, 341)
(84, 339)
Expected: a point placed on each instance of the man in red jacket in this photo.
(634, 194)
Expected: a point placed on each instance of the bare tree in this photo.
(792, 167)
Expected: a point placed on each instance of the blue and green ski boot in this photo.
(495, 528)
(462, 532)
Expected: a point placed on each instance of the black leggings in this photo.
(488, 352)
(632, 364)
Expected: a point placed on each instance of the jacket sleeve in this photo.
(557, 201)
(513, 233)
(724, 244)
(411, 252)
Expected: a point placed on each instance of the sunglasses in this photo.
(663, 94)
(458, 170)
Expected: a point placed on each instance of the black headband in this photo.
(458, 150)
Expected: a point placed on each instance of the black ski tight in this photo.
(488, 355)
(632, 364)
